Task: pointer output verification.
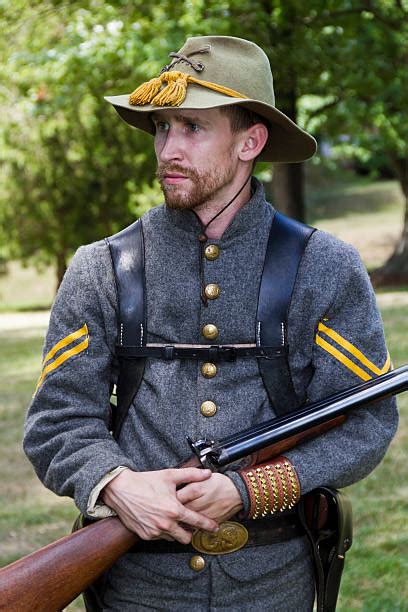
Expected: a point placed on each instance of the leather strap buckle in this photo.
(229, 353)
(168, 352)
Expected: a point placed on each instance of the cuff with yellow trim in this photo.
(272, 487)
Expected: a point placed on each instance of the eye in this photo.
(161, 126)
(194, 127)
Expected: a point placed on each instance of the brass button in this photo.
(211, 252)
(208, 409)
(212, 291)
(208, 370)
(210, 331)
(197, 563)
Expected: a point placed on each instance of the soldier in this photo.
(212, 113)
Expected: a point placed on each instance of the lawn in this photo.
(376, 576)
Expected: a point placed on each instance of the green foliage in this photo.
(72, 172)
(368, 84)
(71, 168)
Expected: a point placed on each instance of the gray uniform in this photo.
(335, 339)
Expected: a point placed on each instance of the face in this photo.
(196, 155)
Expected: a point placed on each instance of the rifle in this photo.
(50, 578)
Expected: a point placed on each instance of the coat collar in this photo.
(250, 215)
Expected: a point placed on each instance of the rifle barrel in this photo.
(248, 441)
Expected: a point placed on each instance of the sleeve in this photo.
(341, 344)
(95, 508)
(67, 436)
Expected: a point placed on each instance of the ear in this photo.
(254, 140)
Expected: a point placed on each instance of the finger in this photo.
(188, 494)
(180, 534)
(197, 520)
(179, 476)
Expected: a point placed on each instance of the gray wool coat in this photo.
(335, 341)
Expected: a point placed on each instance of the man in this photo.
(204, 254)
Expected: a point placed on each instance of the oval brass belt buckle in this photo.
(230, 537)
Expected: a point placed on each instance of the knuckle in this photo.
(185, 538)
(173, 511)
(196, 489)
(164, 525)
(154, 532)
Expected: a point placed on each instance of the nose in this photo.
(169, 146)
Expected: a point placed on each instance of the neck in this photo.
(206, 211)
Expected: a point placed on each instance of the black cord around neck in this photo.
(202, 237)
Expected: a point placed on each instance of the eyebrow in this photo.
(181, 118)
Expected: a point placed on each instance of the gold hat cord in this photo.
(175, 91)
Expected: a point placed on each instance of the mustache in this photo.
(165, 169)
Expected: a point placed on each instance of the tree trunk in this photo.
(287, 190)
(287, 187)
(61, 261)
(395, 271)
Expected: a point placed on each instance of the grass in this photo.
(369, 215)
(26, 288)
(376, 575)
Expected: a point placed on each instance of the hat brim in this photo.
(287, 142)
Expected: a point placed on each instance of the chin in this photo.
(178, 201)
(179, 204)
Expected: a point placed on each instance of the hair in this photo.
(242, 118)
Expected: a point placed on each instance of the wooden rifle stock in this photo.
(50, 578)
(53, 576)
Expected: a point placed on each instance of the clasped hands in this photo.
(150, 505)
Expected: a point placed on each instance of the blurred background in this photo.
(72, 172)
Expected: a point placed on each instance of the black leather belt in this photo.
(260, 532)
(204, 353)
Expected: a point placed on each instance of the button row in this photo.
(208, 370)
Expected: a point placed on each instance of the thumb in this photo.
(185, 475)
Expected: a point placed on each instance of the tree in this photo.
(368, 101)
(72, 171)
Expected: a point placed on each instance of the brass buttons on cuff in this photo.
(210, 331)
(208, 370)
(208, 409)
(197, 563)
(211, 252)
(212, 291)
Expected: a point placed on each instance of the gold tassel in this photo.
(145, 93)
(175, 91)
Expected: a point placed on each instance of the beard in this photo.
(203, 187)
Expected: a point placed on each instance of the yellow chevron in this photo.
(78, 348)
(65, 341)
(342, 358)
(355, 351)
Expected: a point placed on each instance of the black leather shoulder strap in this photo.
(286, 244)
(127, 253)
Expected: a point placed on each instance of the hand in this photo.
(217, 497)
(146, 502)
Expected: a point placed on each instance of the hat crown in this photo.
(232, 62)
